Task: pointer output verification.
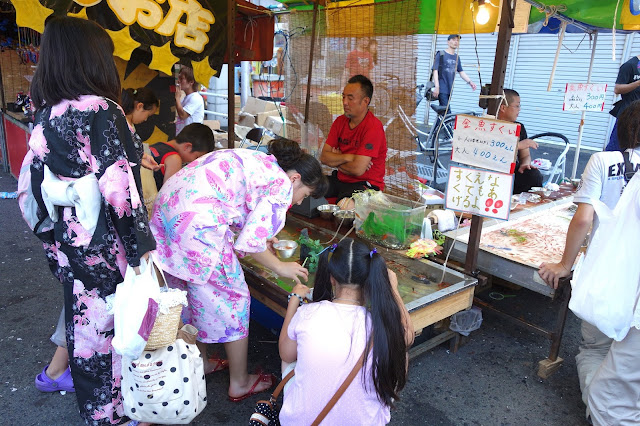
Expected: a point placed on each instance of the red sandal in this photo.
(220, 364)
(262, 377)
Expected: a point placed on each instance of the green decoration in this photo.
(309, 249)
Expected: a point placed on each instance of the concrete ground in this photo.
(490, 381)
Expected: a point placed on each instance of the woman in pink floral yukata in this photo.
(81, 194)
(228, 202)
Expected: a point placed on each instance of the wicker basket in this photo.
(165, 329)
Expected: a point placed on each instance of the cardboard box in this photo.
(220, 139)
(261, 117)
(246, 119)
(255, 106)
(212, 124)
(277, 126)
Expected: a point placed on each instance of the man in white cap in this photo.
(445, 65)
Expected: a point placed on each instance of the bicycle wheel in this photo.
(443, 134)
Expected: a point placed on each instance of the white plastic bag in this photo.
(165, 386)
(134, 307)
(606, 284)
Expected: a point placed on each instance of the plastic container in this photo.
(433, 199)
(387, 220)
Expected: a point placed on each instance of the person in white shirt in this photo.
(191, 108)
(609, 372)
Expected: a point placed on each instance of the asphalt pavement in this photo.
(491, 380)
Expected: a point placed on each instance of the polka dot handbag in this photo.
(266, 413)
(165, 386)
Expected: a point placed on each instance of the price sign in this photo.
(480, 192)
(584, 97)
(485, 142)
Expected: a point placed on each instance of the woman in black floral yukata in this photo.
(82, 143)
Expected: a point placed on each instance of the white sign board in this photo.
(480, 192)
(485, 142)
(584, 97)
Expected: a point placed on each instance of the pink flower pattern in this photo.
(247, 195)
(37, 142)
(91, 135)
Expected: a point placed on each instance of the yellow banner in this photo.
(346, 21)
(461, 17)
(627, 19)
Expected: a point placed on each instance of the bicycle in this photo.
(388, 94)
(393, 101)
(437, 142)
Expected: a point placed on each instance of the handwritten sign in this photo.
(485, 142)
(584, 97)
(480, 192)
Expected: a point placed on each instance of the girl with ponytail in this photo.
(356, 306)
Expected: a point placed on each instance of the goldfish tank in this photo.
(387, 220)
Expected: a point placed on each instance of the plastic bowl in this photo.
(327, 210)
(346, 217)
(285, 248)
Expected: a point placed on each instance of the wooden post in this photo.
(313, 44)
(231, 92)
(576, 156)
(497, 83)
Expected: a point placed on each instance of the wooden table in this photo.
(427, 301)
(525, 275)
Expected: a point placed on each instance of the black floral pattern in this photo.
(74, 139)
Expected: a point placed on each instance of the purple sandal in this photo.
(63, 383)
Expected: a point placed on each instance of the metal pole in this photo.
(245, 89)
(313, 44)
(231, 51)
(581, 128)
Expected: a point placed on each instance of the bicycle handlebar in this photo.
(552, 134)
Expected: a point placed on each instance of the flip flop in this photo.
(262, 377)
(220, 364)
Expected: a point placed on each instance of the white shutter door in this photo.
(529, 75)
(463, 99)
(425, 57)
(541, 109)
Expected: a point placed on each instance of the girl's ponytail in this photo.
(389, 345)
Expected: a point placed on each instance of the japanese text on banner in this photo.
(584, 97)
(485, 142)
(479, 192)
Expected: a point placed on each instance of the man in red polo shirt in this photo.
(356, 145)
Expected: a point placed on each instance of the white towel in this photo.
(446, 219)
(83, 194)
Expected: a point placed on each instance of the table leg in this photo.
(432, 343)
(548, 366)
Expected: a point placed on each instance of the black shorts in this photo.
(340, 190)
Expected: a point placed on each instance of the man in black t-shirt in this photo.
(444, 71)
(627, 85)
